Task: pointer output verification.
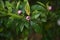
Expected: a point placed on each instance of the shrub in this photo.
(18, 19)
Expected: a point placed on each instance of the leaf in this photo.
(43, 20)
(1, 29)
(27, 8)
(38, 7)
(10, 22)
(18, 5)
(15, 16)
(9, 6)
(26, 32)
(35, 14)
(2, 4)
(41, 4)
(26, 24)
(37, 28)
(43, 15)
(47, 4)
(21, 27)
(17, 30)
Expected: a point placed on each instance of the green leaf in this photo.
(35, 14)
(41, 4)
(9, 6)
(1, 4)
(25, 33)
(27, 8)
(15, 16)
(43, 20)
(1, 29)
(37, 28)
(47, 4)
(21, 27)
(26, 24)
(17, 29)
(18, 4)
(9, 22)
(43, 15)
(38, 7)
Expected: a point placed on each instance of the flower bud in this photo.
(49, 7)
(19, 11)
(28, 18)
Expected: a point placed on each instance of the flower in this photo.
(19, 11)
(28, 18)
(49, 7)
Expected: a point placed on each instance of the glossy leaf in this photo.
(18, 4)
(38, 7)
(27, 8)
(37, 28)
(41, 4)
(35, 14)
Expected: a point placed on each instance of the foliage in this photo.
(14, 26)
